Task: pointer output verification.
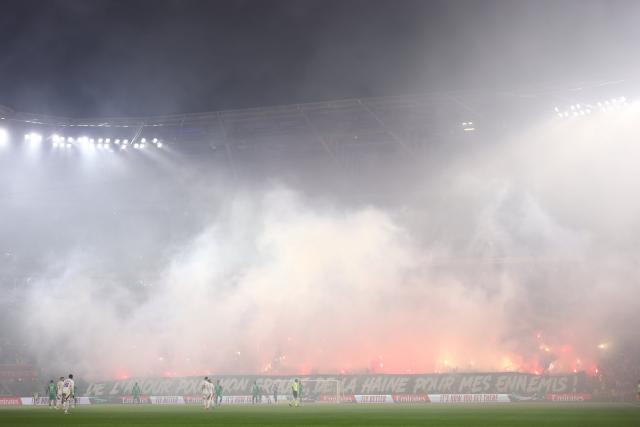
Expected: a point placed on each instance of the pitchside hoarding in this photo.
(519, 384)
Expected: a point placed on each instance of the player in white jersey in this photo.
(59, 386)
(68, 389)
(207, 392)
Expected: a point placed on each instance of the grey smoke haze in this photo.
(169, 266)
(459, 258)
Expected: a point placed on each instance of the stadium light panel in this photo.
(108, 140)
(126, 141)
(136, 145)
(4, 137)
(143, 140)
(155, 140)
(35, 138)
(159, 144)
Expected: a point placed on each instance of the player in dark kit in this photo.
(255, 393)
(51, 392)
(136, 393)
(218, 390)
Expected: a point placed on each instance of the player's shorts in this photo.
(52, 396)
(206, 396)
(59, 396)
(295, 394)
(65, 396)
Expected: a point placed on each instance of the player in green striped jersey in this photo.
(51, 392)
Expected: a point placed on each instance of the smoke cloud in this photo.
(517, 254)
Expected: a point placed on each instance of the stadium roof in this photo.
(403, 121)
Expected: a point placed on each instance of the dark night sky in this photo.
(144, 57)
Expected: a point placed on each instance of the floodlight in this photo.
(159, 144)
(136, 145)
(143, 140)
(155, 140)
(4, 136)
(35, 138)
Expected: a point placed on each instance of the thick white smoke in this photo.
(519, 257)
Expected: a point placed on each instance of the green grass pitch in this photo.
(532, 414)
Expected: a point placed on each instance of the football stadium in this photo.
(437, 256)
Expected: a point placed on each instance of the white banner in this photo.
(374, 398)
(167, 400)
(44, 401)
(469, 398)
